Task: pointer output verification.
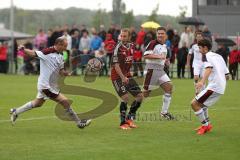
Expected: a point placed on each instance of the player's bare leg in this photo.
(67, 106)
(38, 102)
(199, 112)
(197, 91)
(167, 96)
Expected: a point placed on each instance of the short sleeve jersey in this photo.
(217, 79)
(51, 62)
(154, 47)
(123, 54)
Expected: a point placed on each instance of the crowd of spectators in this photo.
(85, 43)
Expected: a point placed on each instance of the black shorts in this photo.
(132, 87)
(48, 93)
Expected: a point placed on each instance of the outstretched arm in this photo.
(29, 52)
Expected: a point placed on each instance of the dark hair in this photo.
(126, 30)
(198, 32)
(205, 43)
(85, 31)
(161, 28)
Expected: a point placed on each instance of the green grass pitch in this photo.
(39, 135)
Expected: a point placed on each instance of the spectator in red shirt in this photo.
(140, 37)
(233, 62)
(137, 57)
(3, 58)
(137, 64)
(109, 45)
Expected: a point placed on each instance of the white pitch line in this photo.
(55, 117)
(29, 119)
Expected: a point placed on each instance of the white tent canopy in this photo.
(5, 34)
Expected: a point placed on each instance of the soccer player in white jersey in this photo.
(51, 66)
(216, 72)
(197, 60)
(155, 56)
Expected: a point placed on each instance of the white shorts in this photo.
(207, 97)
(154, 78)
(198, 70)
(47, 93)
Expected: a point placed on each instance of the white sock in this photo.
(166, 102)
(201, 117)
(205, 110)
(24, 108)
(73, 114)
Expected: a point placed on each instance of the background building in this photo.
(221, 16)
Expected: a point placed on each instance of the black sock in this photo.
(134, 107)
(123, 110)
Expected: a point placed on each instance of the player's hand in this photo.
(69, 74)
(199, 85)
(65, 73)
(125, 80)
(167, 62)
(227, 76)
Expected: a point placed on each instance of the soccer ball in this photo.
(94, 65)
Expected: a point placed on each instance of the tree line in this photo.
(29, 21)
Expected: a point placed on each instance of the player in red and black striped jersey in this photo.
(123, 54)
(123, 81)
